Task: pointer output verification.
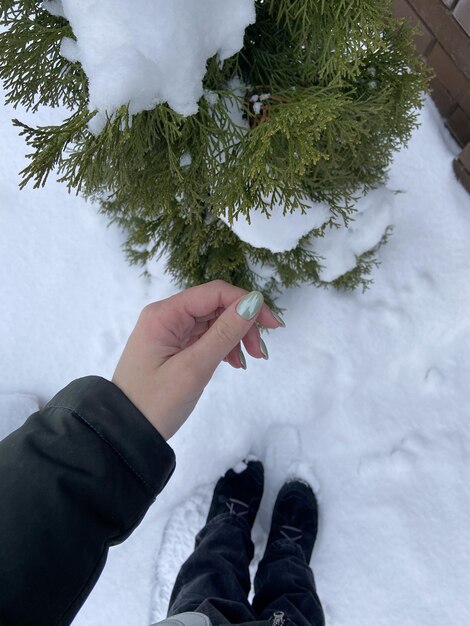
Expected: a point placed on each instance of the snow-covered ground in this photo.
(368, 393)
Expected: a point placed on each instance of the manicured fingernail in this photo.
(279, 319)
(250, 305)
(263, 348)
(242, 359)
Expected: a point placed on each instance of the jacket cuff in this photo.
(104, 408)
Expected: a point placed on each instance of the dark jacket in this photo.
(76, 478)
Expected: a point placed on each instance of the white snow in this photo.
(146, 52)
(366, 394)
(185, 159)
(340, 246)
(13, 408)
(278, 232)
(257, 101)
(54, 7)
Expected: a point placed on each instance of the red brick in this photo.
(459, 125)
(448, 31)
(456, 83)
(462, 15)
(464, 157)
(424, 37)
(462, 174)
(444, 101)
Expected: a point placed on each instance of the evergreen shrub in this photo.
(340, 86)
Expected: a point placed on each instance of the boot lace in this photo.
(237, 507)
(292, 533)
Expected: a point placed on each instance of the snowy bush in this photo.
(193, 122)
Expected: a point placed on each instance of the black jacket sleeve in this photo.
(77, 477)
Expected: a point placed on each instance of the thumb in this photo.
(227, 331)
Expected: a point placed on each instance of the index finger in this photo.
(202, 302)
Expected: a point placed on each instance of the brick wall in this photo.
(444, 42)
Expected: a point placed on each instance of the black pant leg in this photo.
(284, 582)
(215, 579)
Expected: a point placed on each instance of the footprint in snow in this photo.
(434, 378)
(445, 452)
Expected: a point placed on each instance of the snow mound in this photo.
(150, 51)
(279, 232)
(338, 248)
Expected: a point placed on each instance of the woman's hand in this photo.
(178, 343)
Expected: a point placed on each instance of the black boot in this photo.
(239, 494)
(295, 516)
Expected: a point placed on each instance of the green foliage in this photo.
(341, 87)
(31, 67)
